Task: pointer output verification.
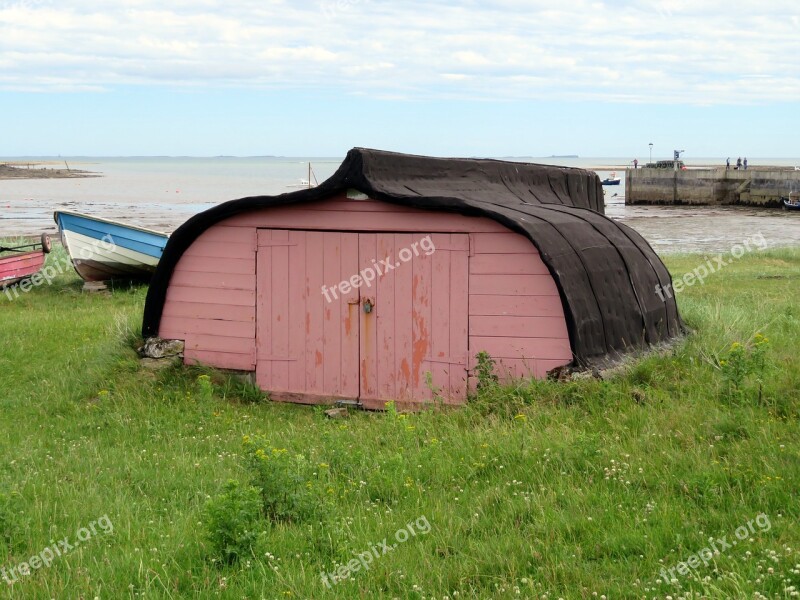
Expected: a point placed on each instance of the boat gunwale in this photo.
(110, 221)
(7, 258)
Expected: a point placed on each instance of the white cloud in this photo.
(699, 52)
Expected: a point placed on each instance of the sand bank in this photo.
(40, 171)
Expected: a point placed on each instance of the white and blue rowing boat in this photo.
(102, 249)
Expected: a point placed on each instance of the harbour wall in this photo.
(752, 187)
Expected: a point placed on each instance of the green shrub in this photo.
(205, 389)
(742, 363)
(233, 520)
(485, 372)
(286, 482)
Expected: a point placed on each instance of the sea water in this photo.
(163, 192)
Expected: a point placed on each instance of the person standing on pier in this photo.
(745, 163)
(635, 163)
(728, 164)
(738, 163)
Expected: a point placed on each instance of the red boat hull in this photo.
(17, 267)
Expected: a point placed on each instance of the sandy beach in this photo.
(679, 229)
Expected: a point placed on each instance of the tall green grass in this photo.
(542, 489)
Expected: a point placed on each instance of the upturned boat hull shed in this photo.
(385, 282)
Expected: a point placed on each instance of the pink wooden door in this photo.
(377, 340)
(419, 321)
(306, 346)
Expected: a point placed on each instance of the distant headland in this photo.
(34, 170)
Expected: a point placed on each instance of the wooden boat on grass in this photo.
(22, 262)
(105, 250)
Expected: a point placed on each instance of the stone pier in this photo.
(760, 186)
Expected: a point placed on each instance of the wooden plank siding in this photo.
(514, 310)
(211, 299)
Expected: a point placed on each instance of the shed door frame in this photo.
(313, 350)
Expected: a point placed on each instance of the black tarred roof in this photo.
(606, 273)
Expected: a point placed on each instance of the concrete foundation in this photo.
(753, 187)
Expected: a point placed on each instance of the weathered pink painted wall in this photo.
(515, 313)
(211, 300)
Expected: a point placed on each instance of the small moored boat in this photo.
(104, 250)
(306, 183)
(791, 203)
(303, 183)
(22, 262)
(612, 180)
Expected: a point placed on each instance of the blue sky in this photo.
(491, 78)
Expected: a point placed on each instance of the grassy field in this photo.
(184, 483)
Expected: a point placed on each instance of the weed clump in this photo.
(744, 369)
(233, 520)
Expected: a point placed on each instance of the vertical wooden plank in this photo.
(332, 326)
(459, 317)
(264, 309)
(422, 273)
(315, 311)
(439, 325)
(368, 334)
(349, 319)
(403, 322)
(280, 310)
(297, 313)
(387, 365)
